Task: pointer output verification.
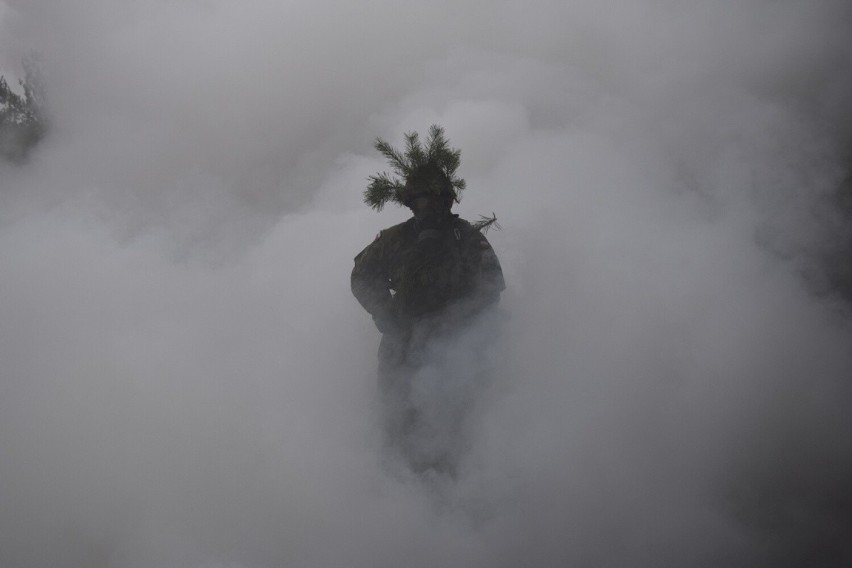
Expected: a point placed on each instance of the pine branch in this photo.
(414, 151)
(485, 223)
(432, 167)
(381, 190)
(397, 161)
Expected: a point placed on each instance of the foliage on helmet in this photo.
(430, 168)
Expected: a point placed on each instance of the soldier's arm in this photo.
(369, 282)
(488, 283)
(491, 282)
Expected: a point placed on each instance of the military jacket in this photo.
(398, 279)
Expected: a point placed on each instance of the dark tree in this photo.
(22, 122)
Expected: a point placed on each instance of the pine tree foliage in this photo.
(485, 222)
(422, 168)
(22, 122)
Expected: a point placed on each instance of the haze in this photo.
(186, 380)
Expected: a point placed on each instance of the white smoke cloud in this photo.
(186, 380)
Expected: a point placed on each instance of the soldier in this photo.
(424, 279)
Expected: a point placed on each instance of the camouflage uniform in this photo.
(419, 294)
(406, 284)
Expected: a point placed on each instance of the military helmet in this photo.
(429, 169)
(428, 179)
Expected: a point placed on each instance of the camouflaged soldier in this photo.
(424, 279)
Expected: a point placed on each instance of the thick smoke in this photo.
(185, 379)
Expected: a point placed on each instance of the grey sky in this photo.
(185, 379)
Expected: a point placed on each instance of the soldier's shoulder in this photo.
(386, 240)
(398, 231)
(463, 224)
(468, 231)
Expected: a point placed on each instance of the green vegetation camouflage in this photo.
(429, 169)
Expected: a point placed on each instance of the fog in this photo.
(186, 379)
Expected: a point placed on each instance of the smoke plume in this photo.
(186, 380)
